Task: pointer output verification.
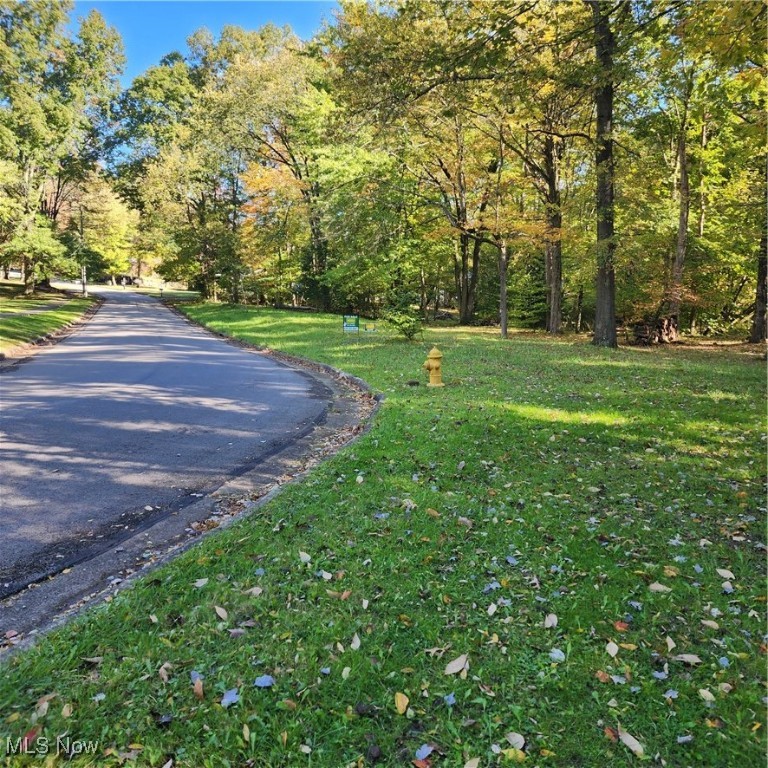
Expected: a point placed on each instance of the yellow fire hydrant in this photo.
(434, 365)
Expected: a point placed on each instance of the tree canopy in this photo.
(582, 165)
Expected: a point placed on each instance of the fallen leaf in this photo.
(457, 665)
(221, 612)
(345, 672)
(255, 591)
(710, 624)
(424, 751)
(550, 621)
(28, 739)
(557, 655)
(66, 711)
(620, 626)
(163, 672)
(628, 646)
(517, 740)
(515, 755)
(304, 557)
(656, 587)
(706, 694)
(201, 583)
(671, 644)
(197, 688)
(612, 649)
(725, 573)
(355, 643)
(603, 677)
(687, 658)
(631, 742)
(401, 703)
(265, 681)
(473, 763)
(229, 698)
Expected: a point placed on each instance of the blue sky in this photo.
(152, 28)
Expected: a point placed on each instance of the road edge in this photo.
(66, 595)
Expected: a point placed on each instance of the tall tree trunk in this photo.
(605, 306)
(579, 308)
(702, 184)
(758, 332)
(503, 310)
(28, 275)
(554, 272)
(553, 254)
(466, 275)
(681, 246)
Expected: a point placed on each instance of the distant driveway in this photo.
(129, 419)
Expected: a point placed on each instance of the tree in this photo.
(53, 92)
(103, 226)
(605, 49)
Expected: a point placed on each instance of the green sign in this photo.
(351, 324)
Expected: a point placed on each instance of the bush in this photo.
(404, 321)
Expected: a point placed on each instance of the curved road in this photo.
(137, 409)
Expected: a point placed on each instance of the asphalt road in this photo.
(137, 409)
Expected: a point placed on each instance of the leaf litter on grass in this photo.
(520, 514)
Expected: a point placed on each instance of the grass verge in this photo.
(557, 559)
(26, 319)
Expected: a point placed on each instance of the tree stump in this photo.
(660, 330)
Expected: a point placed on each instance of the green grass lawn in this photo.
(558, 552)
(50, 311)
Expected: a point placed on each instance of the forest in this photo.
(565, 166)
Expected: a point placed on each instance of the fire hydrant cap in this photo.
(435, 353)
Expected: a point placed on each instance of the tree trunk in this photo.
(702, 185)
(681, 246)
(758, 333)
(605, 306)
(28, 274)
(466, 276)
(554, 274)
(579, 308)
(553, 255)
(503, 264)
